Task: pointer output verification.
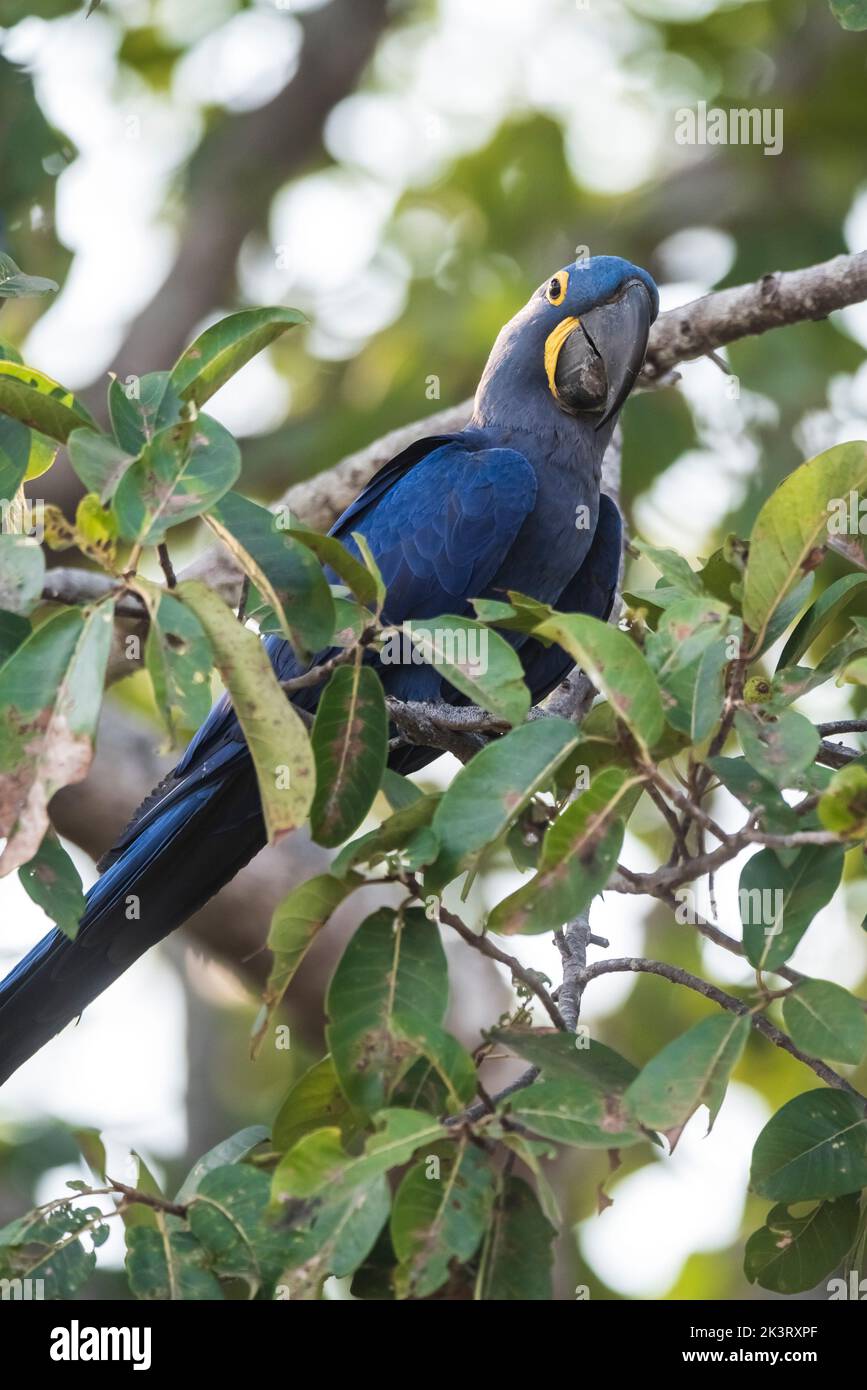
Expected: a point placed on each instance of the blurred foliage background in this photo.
(406, 172)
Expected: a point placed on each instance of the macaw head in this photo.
(575, 349)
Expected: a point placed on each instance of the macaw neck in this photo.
(559, 446)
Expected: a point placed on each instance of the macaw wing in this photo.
(591, 590)
(386, 477)
(443, 528)
(439, 520)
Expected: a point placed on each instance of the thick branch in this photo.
(778, 299)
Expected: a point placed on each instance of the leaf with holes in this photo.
(814, 1147)
(51, 879)
(791, 1252)
(50, 696)
(182, 472)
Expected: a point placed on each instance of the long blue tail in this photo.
(184, 848)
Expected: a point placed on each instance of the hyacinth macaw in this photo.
(454, 517)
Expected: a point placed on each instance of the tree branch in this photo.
(678, 976)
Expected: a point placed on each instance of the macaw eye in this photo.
(557, 287)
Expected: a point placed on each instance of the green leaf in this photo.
(24, 454)
(792, 525)
(579, 854)
(141, 408)
(350, 745)
(178, 661)
(517, 1258)
(395, 833)
(275, 735)
(330, 552)
(51, 879)
(22, 573)
(314, 1101)
(372, 568)
(50, 695)
(520, 614)
(92, 1150)
(690, 1071)
(228, 1214)
(778, 746)
(685, 631)
(617, 669)
(182, 472)
(779, 901)
(231, 1150)
(168, 1264)
(785, 614)
(98, 461)
(285, 572)
(827, 608)
(791, 1253)
(440, 1214)
(755, 792)
(340, 1238)
(295, 923)
(575, 1111)
(814, 1147)
(96, 531)
(564, 1056)
(452, 1063)
(14, 284)
(40, 403)
(675, 570)
(708, 691)
(474, 659)
(843, 807)
(13, 632)
(490, 792)
(48, 1247)
(392, 975)
(227, 346)
(139, 1213)
(318, 1163)
(827, 1021)
(851, 14)
(531, 1152)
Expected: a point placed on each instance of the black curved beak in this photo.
(600, 361)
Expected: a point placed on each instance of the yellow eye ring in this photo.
(557, 287)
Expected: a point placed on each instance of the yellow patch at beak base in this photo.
(553, 348)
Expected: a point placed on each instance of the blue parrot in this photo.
(511, 502)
